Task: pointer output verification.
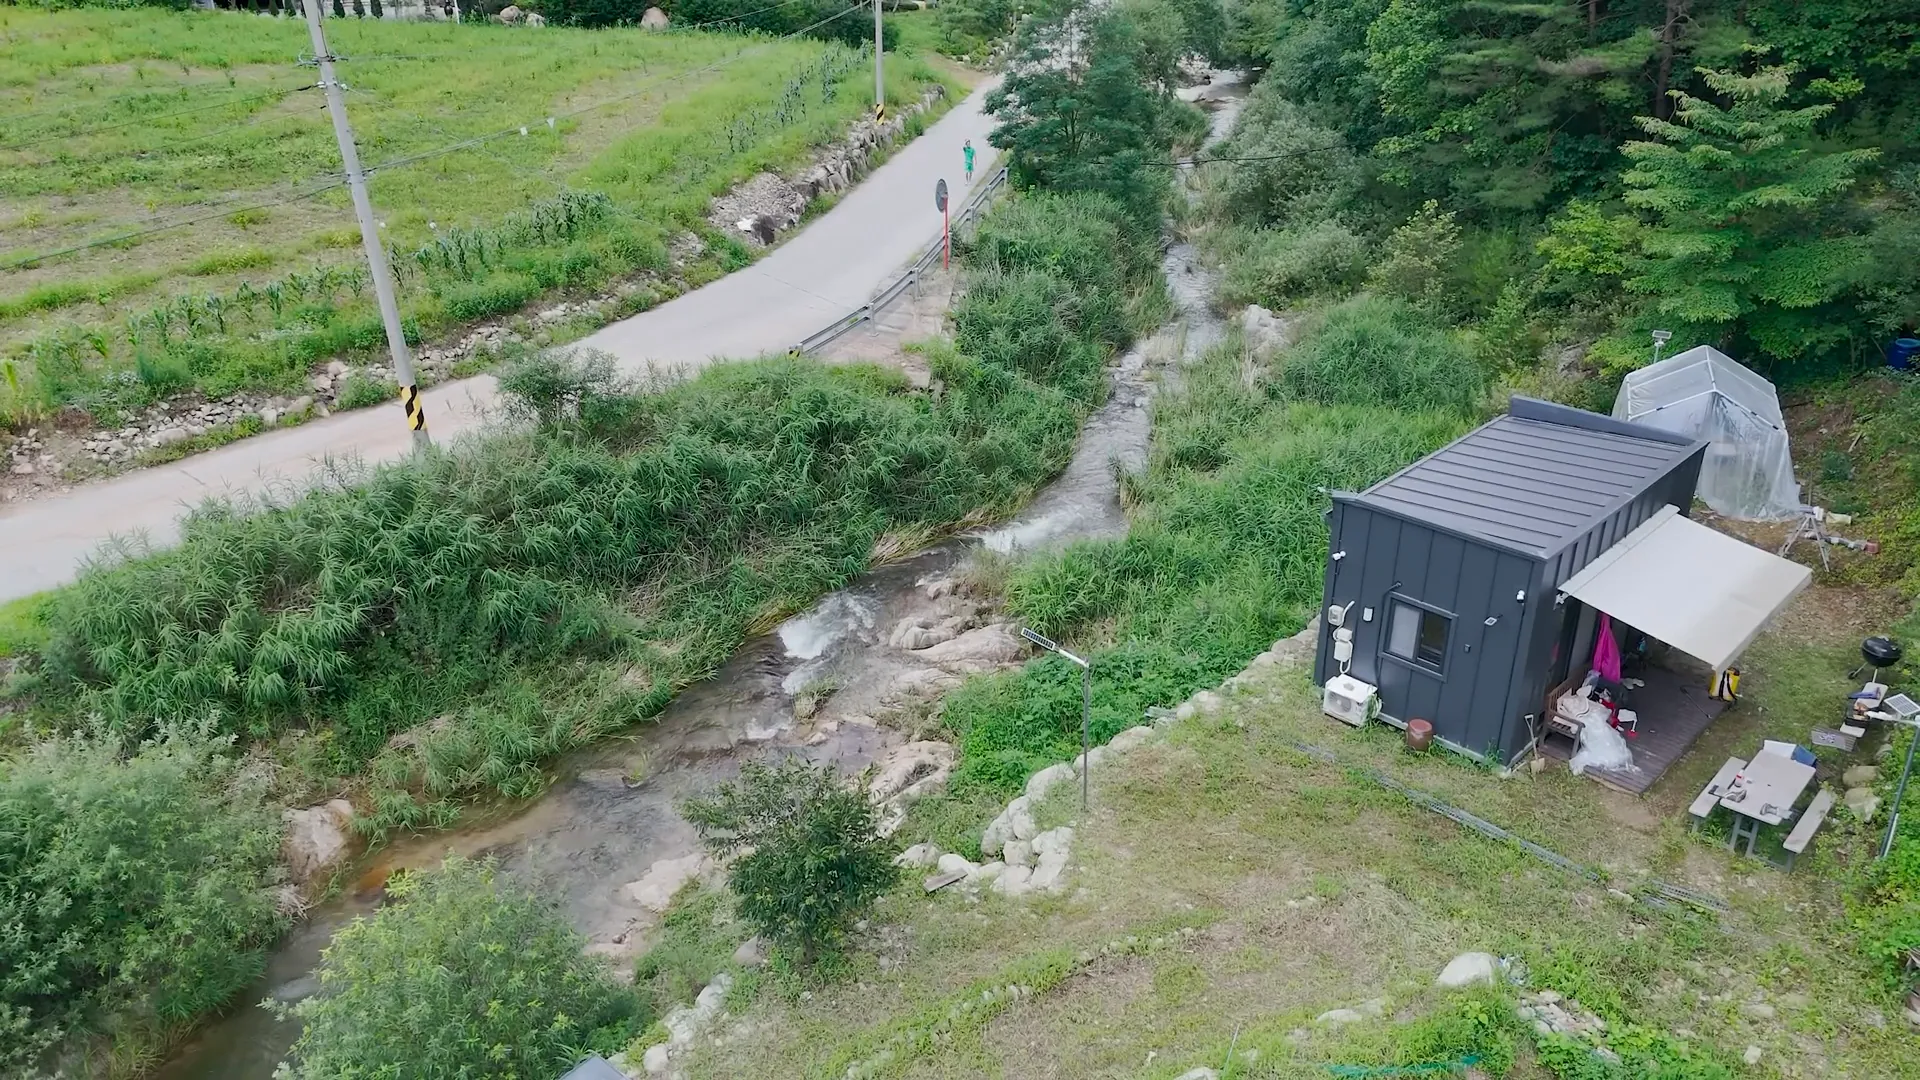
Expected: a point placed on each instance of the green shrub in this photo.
(495, 295)
(1418, 260)
(1275, 268)
(462, 975)
(361, 390)
(232, 259)
(807, 855)
(1295, 171)
(636, 251)
(1379, 351)
(164, 373)
(134, 887)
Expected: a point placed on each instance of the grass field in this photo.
(117, 122)
(1313, 889)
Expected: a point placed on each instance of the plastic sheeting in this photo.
(1601, 747)
(1706, 394)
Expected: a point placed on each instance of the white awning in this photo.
(1700, 591)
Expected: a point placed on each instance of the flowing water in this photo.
(612, 812)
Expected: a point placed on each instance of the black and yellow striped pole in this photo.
(879, 82)
(379, 269)
(416, 414)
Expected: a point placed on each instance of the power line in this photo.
(138, 234)
(414, 158)
(1187, 162)
(689, 28)
(571, 113)
(150, 119)
(180, 89)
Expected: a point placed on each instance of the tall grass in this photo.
(1380, 351)
(1225, 553)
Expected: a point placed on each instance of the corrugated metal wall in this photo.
(1468, 582)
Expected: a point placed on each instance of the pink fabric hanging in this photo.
(1606, 651)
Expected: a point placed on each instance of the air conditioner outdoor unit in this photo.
(1349, 700)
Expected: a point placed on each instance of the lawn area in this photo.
(1312, 888)
(115, 122)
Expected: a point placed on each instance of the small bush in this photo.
(463, 975)
(226, 262)
(808, 858)
(360, 391)
(493, 296)
(556, 387)
(1275, 268)
(164, 373)
(1418, 259)
(1297, 171)
(1378, 351)
(636, 251)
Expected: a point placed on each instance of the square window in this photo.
(1418, 635)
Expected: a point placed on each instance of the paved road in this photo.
(832, 266)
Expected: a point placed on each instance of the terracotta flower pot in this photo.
(1419, 735)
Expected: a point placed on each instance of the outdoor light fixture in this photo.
(1086, 706)
(1905, 711)
(1660, 339)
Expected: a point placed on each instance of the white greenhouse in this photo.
(1703, 392)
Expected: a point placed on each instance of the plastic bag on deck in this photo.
(1601, 747)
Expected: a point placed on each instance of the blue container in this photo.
(1901, 353)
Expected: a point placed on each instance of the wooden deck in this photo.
(1674, 709)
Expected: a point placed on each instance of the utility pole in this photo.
(377, 267)
(879, 82)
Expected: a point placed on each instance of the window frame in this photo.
(1438, 669)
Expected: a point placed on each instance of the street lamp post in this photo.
(1086, 707)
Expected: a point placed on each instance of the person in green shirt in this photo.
(967, 152)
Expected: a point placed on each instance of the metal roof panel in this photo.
(1529, 482)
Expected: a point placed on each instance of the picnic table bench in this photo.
(1709, 796)
(1809, 823)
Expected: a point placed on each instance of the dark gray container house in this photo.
(1449, 571)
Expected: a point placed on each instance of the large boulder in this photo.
(656, 888)
(986, 644)
(508, 16)
(1863, 802)
(1469, 969)
(317, 837)
(1265, 332)
(535, 19)
(912, 770)
(1047, 779)
(918, 856)
(653, 19)
(1013, 823)
(760, 227)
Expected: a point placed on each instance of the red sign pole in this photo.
(946, 238)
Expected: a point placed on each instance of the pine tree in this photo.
(1742, 231)
(1504, 101)
(1088, 123)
